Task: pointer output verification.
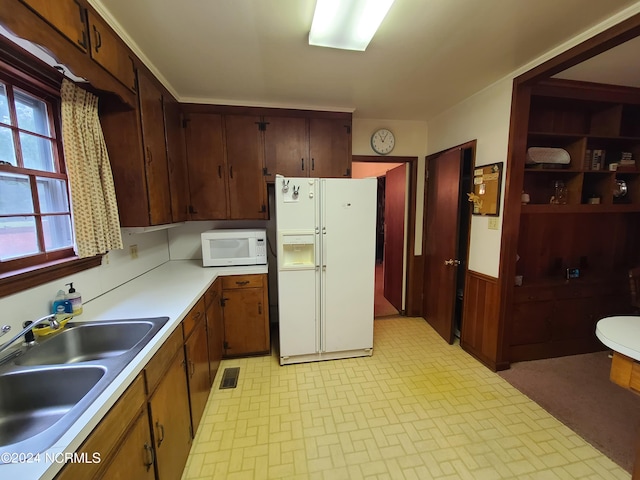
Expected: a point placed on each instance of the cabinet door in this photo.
(286, 147)
(215, 327)
(246, 324)
(157, 172)
(531, 323)
(245, 153)
(330, 147)
(134, 459)
(198, 372)
(177, 161)
(67, 16)
(109, 51)
(170, 421)
(206, 165)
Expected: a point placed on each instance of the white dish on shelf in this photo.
(558, 156)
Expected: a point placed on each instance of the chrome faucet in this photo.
(53, 323)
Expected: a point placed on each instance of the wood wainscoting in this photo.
(480, 336)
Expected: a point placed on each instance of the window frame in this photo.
(29, 74)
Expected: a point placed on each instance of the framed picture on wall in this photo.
(487, 183)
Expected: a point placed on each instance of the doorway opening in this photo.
(391, 230)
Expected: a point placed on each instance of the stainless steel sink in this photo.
(46, 388)
(34, 400)
(87, 342)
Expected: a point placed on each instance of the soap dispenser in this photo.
(76, 300)
(61, 304)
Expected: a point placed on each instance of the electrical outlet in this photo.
(133, 250)
(493, 223)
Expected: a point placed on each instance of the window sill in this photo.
(19, 280)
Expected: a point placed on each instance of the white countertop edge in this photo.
(179, 283)
(621, 334)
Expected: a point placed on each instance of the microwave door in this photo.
(231, 251)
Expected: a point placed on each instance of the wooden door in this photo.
(394, 209)
(206, 166)
(245, 154)
(246, 327)
(441, 233)
(330, 147)
(215, 327)
(134, 459)
(286, 147)
(109, 51)
(198, 372)
(67, 16)
(170, 420)
(155, 151)
(177, 161)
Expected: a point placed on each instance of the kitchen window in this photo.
(36, 233)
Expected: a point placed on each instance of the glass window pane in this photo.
(32, 113)
(7, 150)
(18, 237)
(36, 152)
(4, 106)
(52, 194)
(15, 194)
(57, 232)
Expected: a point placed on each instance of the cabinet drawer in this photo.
(106, 436)
(242, 281)
(195, 315)
(155, 369)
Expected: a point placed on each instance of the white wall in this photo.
(485, 117)
(411, 141)
(36, 302)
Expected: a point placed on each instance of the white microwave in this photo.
(221, 248)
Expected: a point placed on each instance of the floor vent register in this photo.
(230, 377)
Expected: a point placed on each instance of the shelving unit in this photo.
(552, 315)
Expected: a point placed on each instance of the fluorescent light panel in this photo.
(347, 24)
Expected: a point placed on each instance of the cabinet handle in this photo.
(260, 308)
(241, 283)
(161, 428)
(231, 171)
(313, 164)
(302, 162)
(197, 315)
(149, 156)
(150, 454)
(192, 369)
(219, 171)
(98, 37)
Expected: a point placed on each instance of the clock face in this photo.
(382, 141)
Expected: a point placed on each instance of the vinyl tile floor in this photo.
(417, 409)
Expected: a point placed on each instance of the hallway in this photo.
(381, 306)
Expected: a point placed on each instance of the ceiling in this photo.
(427, 55)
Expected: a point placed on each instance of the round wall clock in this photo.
(382, 141)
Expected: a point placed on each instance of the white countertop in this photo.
(170, 290)
(621, 334)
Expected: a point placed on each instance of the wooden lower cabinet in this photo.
(113, 433)
(170, 422)
(134, 458)
(196, 349)
(215, 327)
(245, 304)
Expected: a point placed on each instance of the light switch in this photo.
(493, 223)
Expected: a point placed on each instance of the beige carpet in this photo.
(577, 391)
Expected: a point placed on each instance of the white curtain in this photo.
(93, 196)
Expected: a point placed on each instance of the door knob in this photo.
(451, 261)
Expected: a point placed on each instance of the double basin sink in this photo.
(44, 389)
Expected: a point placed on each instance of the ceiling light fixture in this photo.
(347, 24)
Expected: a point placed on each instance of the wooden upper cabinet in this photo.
(245, 150)
(155, 154)
(110, 52)
(206, 165)
(177, 161)
(67, 16)
(330, 147)
(286, 147)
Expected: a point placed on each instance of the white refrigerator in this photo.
(326, 232)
